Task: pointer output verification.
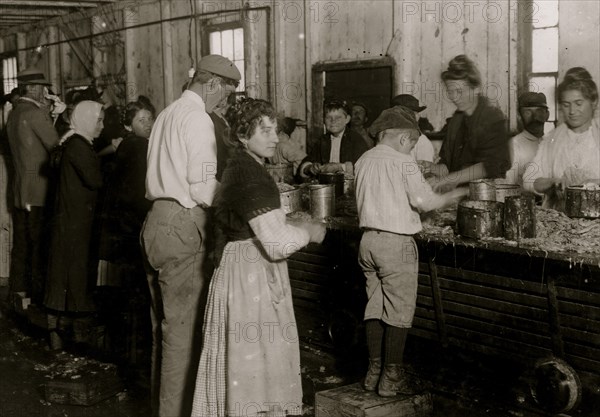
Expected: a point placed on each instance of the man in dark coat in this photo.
(31, 136)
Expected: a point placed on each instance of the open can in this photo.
(322, 200)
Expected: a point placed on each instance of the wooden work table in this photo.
(494, 297)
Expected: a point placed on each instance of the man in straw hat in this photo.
(390, 193)
(181, 182)
(31, 136)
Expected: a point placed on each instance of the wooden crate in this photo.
(353, 401)
(90, 388)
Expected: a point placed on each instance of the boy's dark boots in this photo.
(394, 381)
(373, 374)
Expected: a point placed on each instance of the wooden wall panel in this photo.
(303, 33)
(288, 25)
(350, 30)
(75, 56)
(146, 55)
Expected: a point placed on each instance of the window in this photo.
(543, 70)
(9, 74)
(230, 43)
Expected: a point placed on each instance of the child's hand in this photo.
(313, 169)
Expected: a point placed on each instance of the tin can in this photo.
(322, 200)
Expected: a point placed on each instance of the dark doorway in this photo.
(369, 82)
(370, 86)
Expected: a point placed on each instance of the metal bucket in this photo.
(349, 185)
(519, 217)
(582, 201)
(482, 190)
(322, 200)
(507, 190)
(291, 200)
(479, 219)
(336, 178)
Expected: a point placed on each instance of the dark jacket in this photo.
(31, 136)
(353, 146)
(71, 274)
(125, 205)
(481, 137)
(222, 138)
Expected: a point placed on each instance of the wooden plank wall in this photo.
(428, 35)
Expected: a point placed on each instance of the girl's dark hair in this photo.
(133, 107)
(244, 116)
(578, 78)
(462, 68)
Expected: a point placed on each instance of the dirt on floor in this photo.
(33, 378)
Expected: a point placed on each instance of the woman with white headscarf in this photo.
(70, 275)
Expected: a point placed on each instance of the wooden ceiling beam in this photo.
(4, 11)
(38, 3)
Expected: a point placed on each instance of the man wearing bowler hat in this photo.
(390, 193)
(181, 183)
(523, 147)
(423, 150)
(31, 136)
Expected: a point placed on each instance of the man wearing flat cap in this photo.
(181, 183)
(31, 136)
(523, 147)
(390, 193)
(423, 150)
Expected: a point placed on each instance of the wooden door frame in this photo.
(318, 87)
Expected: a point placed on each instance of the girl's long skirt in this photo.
(250, 360)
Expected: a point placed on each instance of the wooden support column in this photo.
(308, 74)
(22, 55)
(54, 60)
(131, 90)
(167, 51)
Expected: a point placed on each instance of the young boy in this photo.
(339, 148)
(390, 191)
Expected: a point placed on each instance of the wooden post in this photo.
(436, 293)
(167, 51)
(54, 60)
(131, 90)
(22, 54)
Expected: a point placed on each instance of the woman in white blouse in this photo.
(570, 154)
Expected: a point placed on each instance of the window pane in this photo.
(545, 13)
(544, 49)
(238, 43)
(546, 85)
(12, 68)
(215, 43)
(227, 43)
